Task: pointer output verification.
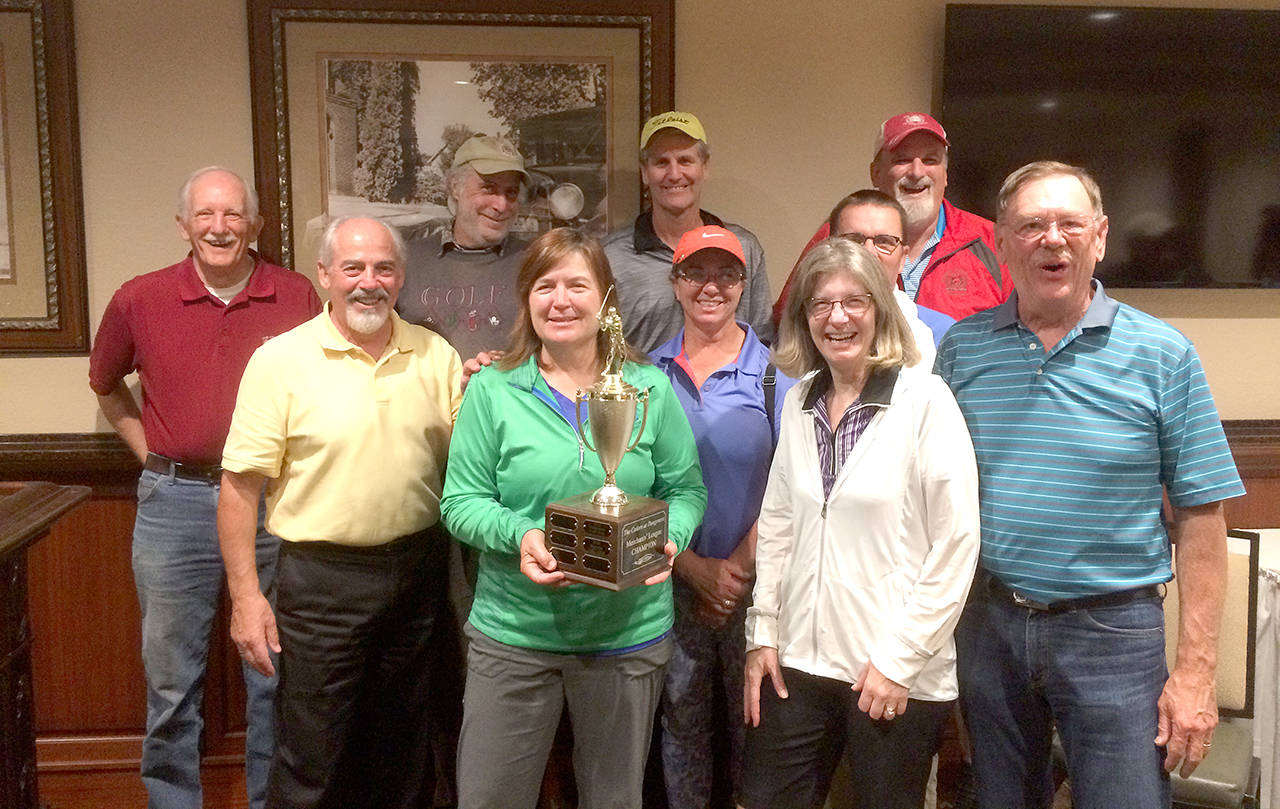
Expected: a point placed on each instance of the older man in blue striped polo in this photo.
(1083, 412)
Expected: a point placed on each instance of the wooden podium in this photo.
(27, 510)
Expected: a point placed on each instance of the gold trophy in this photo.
(607, 537)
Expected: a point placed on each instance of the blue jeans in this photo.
(1095, 674)
(177, 570)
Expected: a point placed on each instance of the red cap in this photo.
(894, 130)
(705, 237)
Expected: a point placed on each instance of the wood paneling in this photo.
(82, 589)
(1256, 448)
(90, 697)
(90, 704)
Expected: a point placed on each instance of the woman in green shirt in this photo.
(537, 641)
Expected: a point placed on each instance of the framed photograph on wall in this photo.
(359, 106)
(43, 293)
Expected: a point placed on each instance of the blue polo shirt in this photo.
(937, 322)
(1074, 445)
(735, 442)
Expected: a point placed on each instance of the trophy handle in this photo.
(644, 418)
(577, 412)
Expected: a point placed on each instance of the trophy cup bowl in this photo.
(609, 538)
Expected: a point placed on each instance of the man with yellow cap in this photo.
(674, 163)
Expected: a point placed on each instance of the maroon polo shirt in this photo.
(190, 349)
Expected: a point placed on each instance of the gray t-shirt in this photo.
(467, 296)
(641, 264)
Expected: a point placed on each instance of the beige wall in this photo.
(791, 95)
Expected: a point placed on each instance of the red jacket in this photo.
(963, 276)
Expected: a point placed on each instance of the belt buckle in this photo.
(1027, 603)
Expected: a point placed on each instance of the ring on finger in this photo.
(890, 712)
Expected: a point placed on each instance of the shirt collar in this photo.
(447, 243)
(646, 238)
(877, 391)
(750, 356)
(191, 288)
(1100, 314)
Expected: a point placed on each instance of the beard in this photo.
(367, 321)
(920, 208)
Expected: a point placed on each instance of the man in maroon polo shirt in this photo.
(188, 331)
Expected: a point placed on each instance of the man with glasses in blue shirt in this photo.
(1085, 413)
(877, 221)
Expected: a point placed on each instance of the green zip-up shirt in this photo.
(511, 454)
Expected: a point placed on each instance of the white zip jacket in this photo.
(881, 569)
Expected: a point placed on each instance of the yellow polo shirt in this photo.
(355, 447)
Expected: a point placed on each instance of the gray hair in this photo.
(794, 352)
(454, 176)
(1039, 170)
(330, 236)
(184, 194)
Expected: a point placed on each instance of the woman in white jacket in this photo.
(868, 539)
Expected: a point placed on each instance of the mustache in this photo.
(924, 182)
(368, 297)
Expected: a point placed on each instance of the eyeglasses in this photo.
(721, 278)
(883, 242)
(853, 305)
(1030, 230)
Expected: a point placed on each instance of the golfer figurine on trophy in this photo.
(607, 537)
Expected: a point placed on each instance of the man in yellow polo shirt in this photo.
(345, 421)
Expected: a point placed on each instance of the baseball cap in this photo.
(686, 122)
(490, 154)
(706, 237)
(894, 130)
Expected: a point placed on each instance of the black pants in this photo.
(351, 708)
(790, 758)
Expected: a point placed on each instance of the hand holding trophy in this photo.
(607, 537)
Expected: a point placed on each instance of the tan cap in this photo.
(686, 122)
(490, 154)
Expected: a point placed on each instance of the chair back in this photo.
(1236, 641)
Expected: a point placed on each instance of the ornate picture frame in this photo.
(292, 42)
(43, 291)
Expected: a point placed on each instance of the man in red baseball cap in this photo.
(950, 265)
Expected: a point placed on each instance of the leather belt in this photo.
(1116, 598)
(209, 473)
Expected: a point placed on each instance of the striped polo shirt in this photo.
(1074, 445)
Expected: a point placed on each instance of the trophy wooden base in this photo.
(613, 548)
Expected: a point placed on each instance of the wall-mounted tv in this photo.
(1176, 112)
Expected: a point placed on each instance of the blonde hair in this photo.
(893, 345)
(543, 255)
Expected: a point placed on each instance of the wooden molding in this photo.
(103, 458)
(1255, 443)
(94, 459)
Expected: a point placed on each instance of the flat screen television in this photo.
(1176, 113)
